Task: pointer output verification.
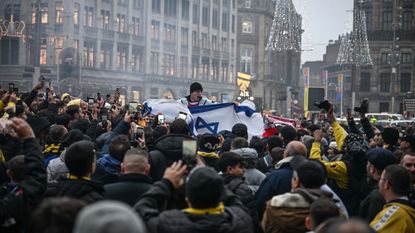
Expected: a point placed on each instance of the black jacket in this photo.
(371, 205)
(235, 219)
(238, 186)
(167, 150)
(86, 190)
(128, 188)
(17, 203)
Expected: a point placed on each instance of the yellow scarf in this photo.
(208, 154)
(73, 177)
(211, 211)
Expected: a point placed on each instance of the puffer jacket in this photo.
(253, 176)
(237, 185)
(167, 150)
(56, 169)
(234, 219)
(287, 212)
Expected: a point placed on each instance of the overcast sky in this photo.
(323, 20)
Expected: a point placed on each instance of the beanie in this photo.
(109, 217)
(195, 87)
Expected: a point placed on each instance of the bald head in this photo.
(295, 148)
(351, 226)
(135, 161)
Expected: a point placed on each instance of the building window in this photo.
(194, 39)
(155, 30)
(233, 23)
(137, 4)
(185, 9)
(205, 16)
(387, 21)
(76, 14)
(231, 74)
(170, 7)
(8, 53)
(247, 26)
(406, 58)
(105, 56)
(246, 60)
(383, 107)
(122, 52)
(225, 22)
(136, 59)
(121, 23)
(154, 62)
(205, 68)
(58, 49)
(247, 3)
(89, 14)
(183, 66)
(365, 82)
(224, 72)
(121, 2)
(195, 68)
(214, 72)
(43, 52)
(169, 65)
(215, 19)
(195, 14)
(59, 12)
(384, 58)
(224, 44)
(44, 13)
(225, 3)
(154, 91)
(88, 54)
(105, 19)
(407, 19)
(405, 82)
(170, 32)
(215, 43)
(155, 6)
(205, 40)
(385, 82)
(135, 27)
(185, 36)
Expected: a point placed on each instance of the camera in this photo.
(364, 107)
(325, 105)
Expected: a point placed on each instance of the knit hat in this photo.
(240, 130)
(380, 158)
(333, 145)
(208, 143)
(195, 87)
(355, 143)
(204, 188)
(64, 96)
(38, 124)
(390, 135)
(109, 217)
(74, 102)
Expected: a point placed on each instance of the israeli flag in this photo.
(168, 107)
(217, 117)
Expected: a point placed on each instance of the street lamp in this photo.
(341, 96)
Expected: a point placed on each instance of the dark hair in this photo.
(277, 154)
(119, 145)
(239, 143)
(72, 136)
(301, 132)
(159, 131)
(311, 174)
(81, 124)
(323, 209)
(274, 141)
(240, 130)
(72, 110)
(288, 133)
(56, 134)
(257, 144)
(79, 157)
(60, 214)
(17, 167)
(63, 119)
(399, 179)
(179, 126)
(228, 159)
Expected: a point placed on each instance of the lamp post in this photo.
(341, 95)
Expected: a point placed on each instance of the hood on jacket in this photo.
(78, 188)
(299, 198)
(109, 164)
(171, 145)
(247, 153)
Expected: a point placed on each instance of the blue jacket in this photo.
(108, 170)
(277, 182)
(121, 128)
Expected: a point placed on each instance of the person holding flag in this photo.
(195, 98)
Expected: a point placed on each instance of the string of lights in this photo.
(285, 33)
(354, 47)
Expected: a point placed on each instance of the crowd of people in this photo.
(72, 165)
